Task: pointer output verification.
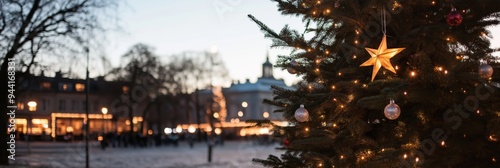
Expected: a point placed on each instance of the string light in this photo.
(364, 85)
(341, 156)
(320, 164)
(405, 156)
(309, 50)
(355, 41)
(492, 138)
(334, 99)
(318, 2)
(493, 159)
(396, 67)
(335, 125)
(357, 32)
(405, 93)
(306, 129)
(314, 12)
(413, 73)
(416, 159)
(355, 81)
(433, 2)
(340, 73)
(316, 70)
(327, 11)
(442, 143)
(354, 57)
(445, 71)
(333, 87)
(327, 52)
(477, 110)
(317, 60)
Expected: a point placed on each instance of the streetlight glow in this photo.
(191, 129)
(104, 110)
(167, 130)
(32, 106)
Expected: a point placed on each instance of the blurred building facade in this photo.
(61, 107)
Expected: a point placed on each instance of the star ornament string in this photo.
(381, 56)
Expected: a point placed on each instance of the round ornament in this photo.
(286, 143)
(485, 71)
(454, 18)
(392, 110)
(301, 114)
(291, 68)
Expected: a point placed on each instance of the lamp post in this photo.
(31, 108)
(104, 111)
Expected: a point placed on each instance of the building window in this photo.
(62, 105)
(45, 85)
(65, 87)
(125, 89)
(80, 87)
(20, 105)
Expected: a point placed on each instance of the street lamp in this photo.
(31, 108)
(104, 111)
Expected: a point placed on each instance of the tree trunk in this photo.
(144, 113)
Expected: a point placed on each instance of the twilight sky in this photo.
(192, 25)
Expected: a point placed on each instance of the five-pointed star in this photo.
(381, 57)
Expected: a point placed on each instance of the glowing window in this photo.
(80, 87)
(45, 85)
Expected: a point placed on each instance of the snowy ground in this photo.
(54, 155)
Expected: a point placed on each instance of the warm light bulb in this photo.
(355, 41)
(341, 156)
(413, 73)
(405, 93)
(327, 11)
(333, 87)
(354, 57)
(433, 2)
(405, 156)
(416, 159)
(306, 129)
(340, 73)
(314, 12)
(327, 52)
(442, 143)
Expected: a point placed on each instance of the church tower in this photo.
(267, 68)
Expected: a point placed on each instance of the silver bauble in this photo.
(392, 111)
(291, 68)
(301, 114)
(485, 71)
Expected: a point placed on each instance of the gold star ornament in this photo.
(381, 57)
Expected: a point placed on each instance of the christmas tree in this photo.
(388, 83)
